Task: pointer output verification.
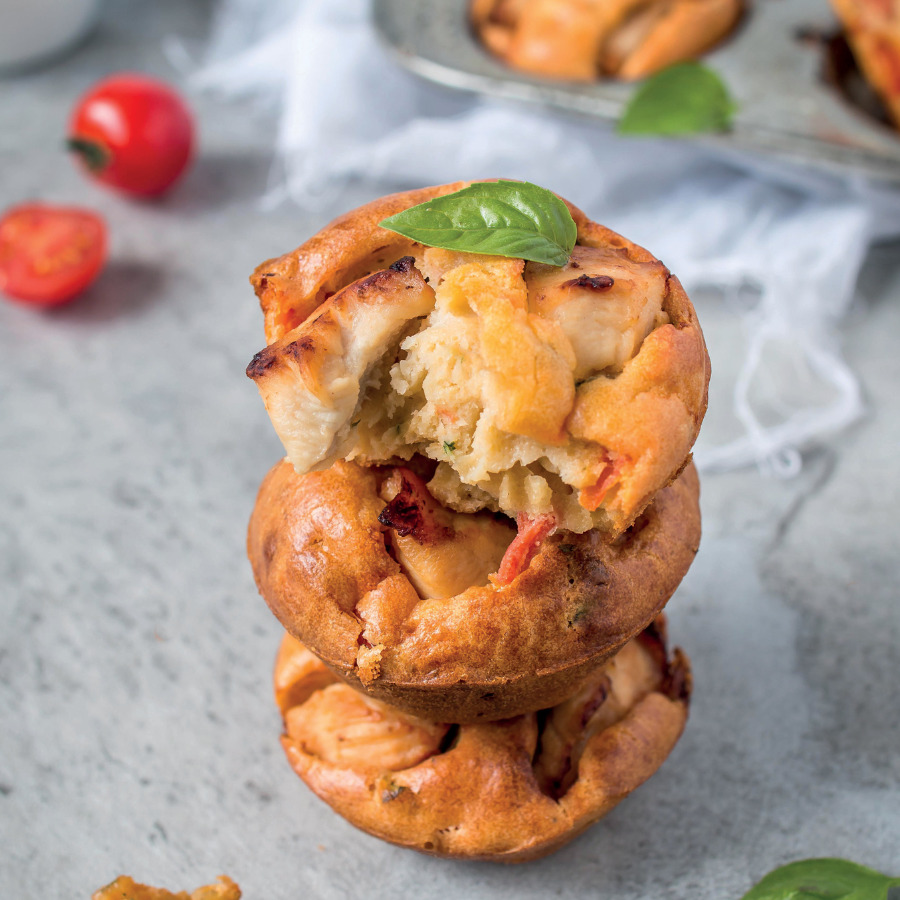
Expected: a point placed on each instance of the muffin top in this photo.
(570, 392)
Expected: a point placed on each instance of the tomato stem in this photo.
(95, 156)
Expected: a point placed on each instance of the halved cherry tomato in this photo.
(133, 133)
(49, 254)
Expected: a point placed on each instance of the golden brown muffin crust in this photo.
(321, 560)
(476, 793)
(600, 444)
(292, 286)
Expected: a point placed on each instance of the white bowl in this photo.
(34, 30)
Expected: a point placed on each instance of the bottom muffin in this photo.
(509, 791)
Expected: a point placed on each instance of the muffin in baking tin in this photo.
(873, 33)
(507, 791)
(582, 40)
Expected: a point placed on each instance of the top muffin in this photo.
(568, 395)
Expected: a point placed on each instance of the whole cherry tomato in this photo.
(133, 133)
(49, 254)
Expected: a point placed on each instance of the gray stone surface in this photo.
(137, 729)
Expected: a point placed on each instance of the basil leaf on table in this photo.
(500, 218)
(687, 98)
(824, 879)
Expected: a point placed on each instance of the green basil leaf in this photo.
(499, 218)
(823, 879)
(687, 98)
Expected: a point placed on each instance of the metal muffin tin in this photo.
(787, 108)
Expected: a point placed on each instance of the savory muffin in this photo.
(582, 40)
(507, 791)
(571, 393)
(873, 32)
(438, 612)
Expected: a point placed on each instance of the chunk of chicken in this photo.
(603, 699)
(441, 552)
(345, 728)
(605, 304)
(312, 380)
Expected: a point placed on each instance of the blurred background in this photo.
(138, 733)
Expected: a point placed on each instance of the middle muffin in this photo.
(395, 593)
(487, 489)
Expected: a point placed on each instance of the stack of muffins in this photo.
(486, 504)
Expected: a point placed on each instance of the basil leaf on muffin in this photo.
(515, 219)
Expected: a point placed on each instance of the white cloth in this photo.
(783, 245)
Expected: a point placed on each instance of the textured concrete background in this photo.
(137, 729)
